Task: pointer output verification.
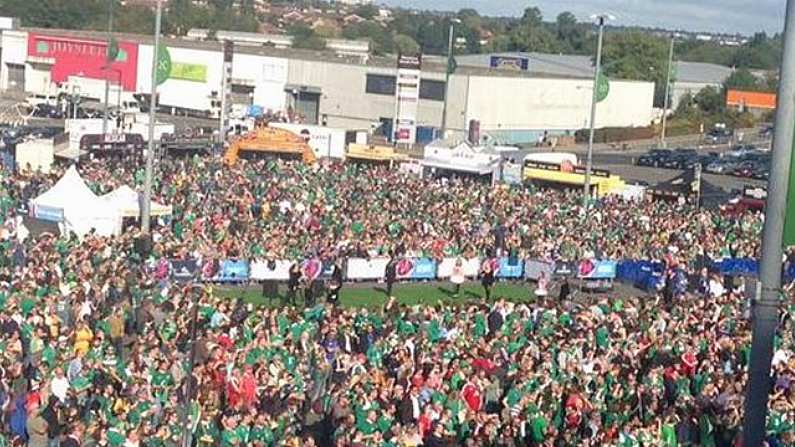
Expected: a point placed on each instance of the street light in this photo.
(600, 19)
(447, 71)
(107, 87)
(667, 91)
(187, 433)
(765, 317)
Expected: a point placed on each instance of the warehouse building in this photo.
(321, 87)
(688, 77)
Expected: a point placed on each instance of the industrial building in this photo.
(688, 77)
(323, 88)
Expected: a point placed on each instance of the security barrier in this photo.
(647, 275)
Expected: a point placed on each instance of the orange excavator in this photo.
(269, 141)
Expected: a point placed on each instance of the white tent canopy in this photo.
(71, 203)
(128, 202)
(460, 156)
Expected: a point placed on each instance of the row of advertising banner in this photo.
(374, 269)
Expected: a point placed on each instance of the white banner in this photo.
(259, 271)
(374, 268)
(471, 267)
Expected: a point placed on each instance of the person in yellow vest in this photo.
(83, 337)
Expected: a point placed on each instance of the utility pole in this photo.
(765, 310)
(107, 61)
(666, 101)
(146, 208)
(447, 73)
(596, 73)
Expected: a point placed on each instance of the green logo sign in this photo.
(163, 69)
(42, 47)
(188, 72)
(602, 88)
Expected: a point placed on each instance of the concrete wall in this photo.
(508, 104)
(345, 102)
(15, 50)
(268, 75)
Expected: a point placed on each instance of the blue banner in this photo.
(416, 268)
(593, 269)
(48, 213)
(233, 271)
(510, 268)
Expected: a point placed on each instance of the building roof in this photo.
(582, 66)
(753, 100)
(432, 64)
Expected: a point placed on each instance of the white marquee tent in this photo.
(128, 202)
(72, 204)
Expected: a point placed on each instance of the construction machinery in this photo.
(265, 141)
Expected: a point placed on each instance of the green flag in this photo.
(113, 49)
(163, 71)
(451, 65)
(602, 88)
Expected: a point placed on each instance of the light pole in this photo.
(666, 101)
(118, 91)
(765, 311)
(187, 432)
(107, 86)
(146, 207)
(447, 72)
(594, 99)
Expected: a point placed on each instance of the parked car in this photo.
(724, 165)
(681, 159)
(654, 157)
(719, 136)
(746, 169)
(741, 150)
(47, 111)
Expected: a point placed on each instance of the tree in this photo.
(406, 45)
(305, 37)
(637, 56)
(380, 39)
(532, 17)
(366, 11)
(742, 79)
(710, 100)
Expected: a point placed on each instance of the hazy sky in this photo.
(744, 16)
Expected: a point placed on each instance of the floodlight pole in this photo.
(765, 310)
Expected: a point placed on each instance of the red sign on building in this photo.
(86, 58)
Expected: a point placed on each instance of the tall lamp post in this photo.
(146, 208)
(448, 70)
(601, 18)
(666, 100)
(765, 310)
(107, 86)
(187, 431)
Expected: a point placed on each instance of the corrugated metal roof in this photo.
(580, 66)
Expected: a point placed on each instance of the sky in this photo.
(729, 16)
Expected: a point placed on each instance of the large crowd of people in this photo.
(95, 351)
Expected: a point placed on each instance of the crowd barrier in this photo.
(647, 275)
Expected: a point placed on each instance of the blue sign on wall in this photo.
(233, 271)
(510, 268)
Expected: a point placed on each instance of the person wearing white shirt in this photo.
(59, 386)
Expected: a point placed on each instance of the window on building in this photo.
(380, 84)
(433, 90)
